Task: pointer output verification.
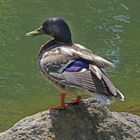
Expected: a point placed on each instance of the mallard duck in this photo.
(73, 68)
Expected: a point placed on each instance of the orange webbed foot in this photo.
(65, 105)
(61, 107)
(75, 101)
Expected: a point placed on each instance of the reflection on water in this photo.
(105, 26)
(113, 17)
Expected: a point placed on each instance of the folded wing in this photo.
(65, 54)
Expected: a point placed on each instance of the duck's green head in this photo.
(54, 27)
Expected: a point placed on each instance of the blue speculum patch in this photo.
(77, 66)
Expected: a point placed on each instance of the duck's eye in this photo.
(45, 24)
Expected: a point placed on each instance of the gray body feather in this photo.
(95, 80)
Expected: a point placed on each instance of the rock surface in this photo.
(77, 122)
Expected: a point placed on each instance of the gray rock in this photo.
(77, 122)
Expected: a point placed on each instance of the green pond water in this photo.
(111, 28)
